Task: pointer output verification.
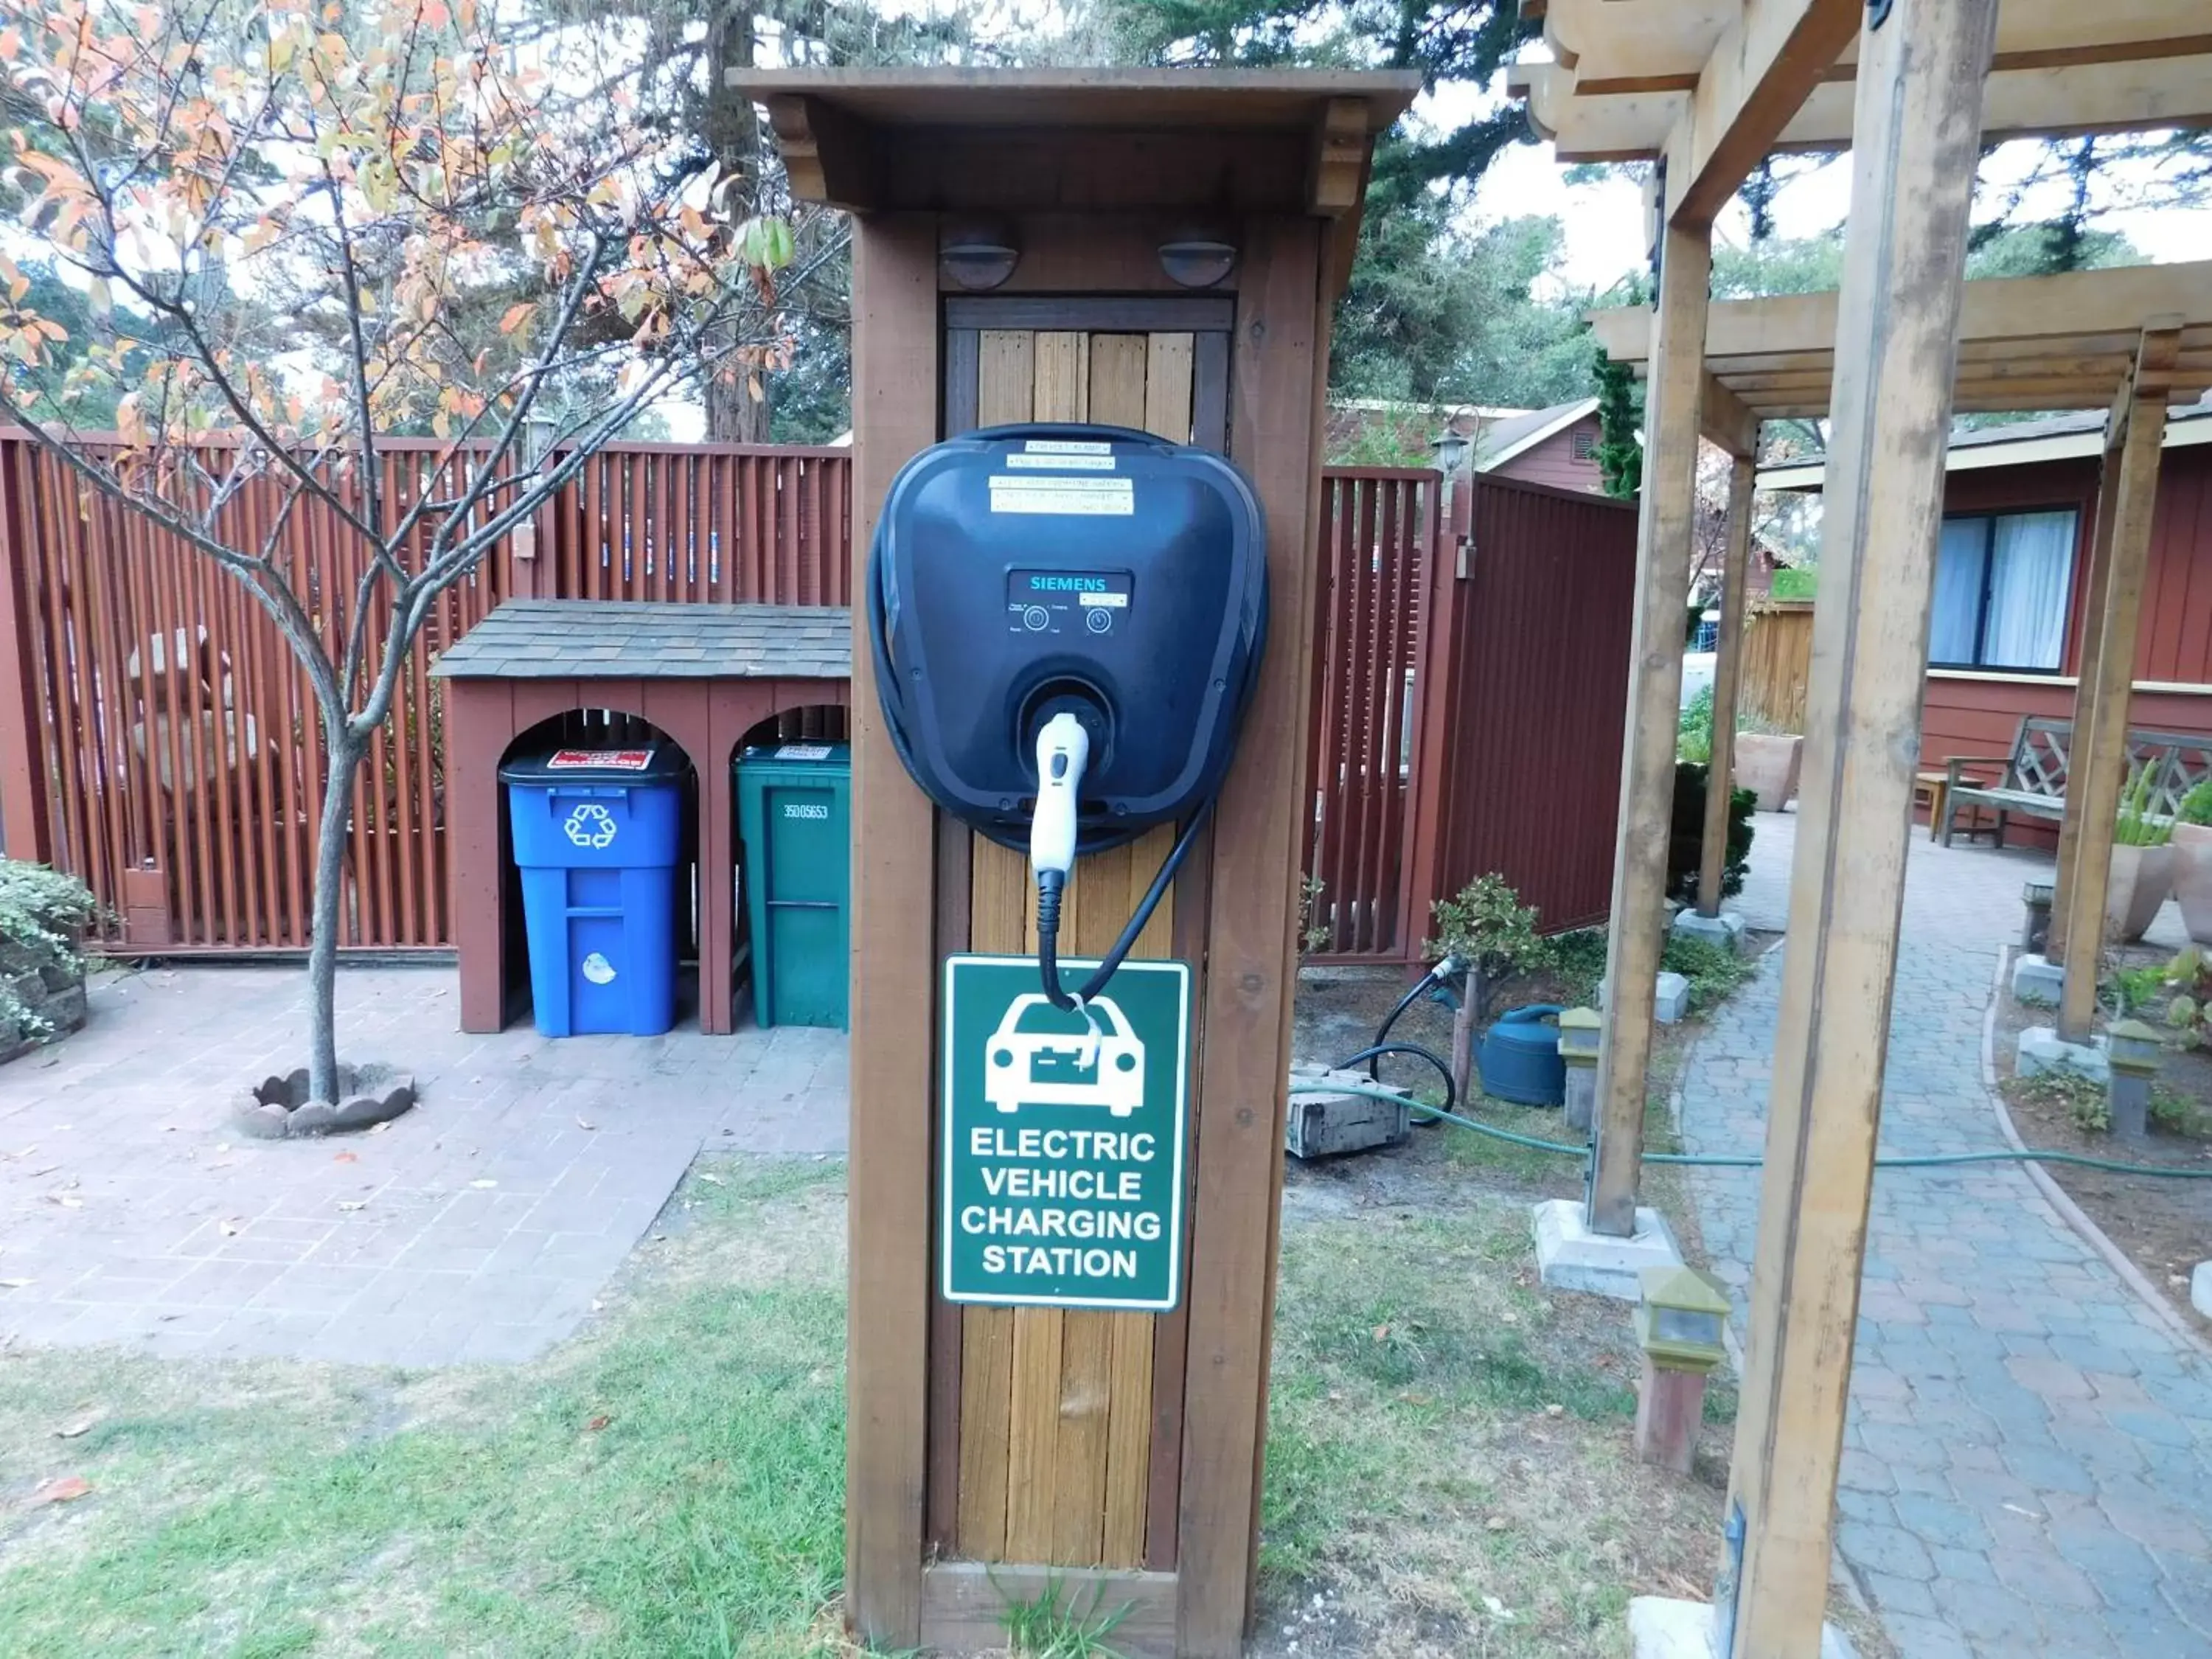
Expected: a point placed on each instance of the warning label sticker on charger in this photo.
(1110, 497)
(1064, 463)
(806, 751)
(599, 760)
(1065, 446)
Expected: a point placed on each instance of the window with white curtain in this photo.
(2002, 581)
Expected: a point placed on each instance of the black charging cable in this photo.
(1050, 886)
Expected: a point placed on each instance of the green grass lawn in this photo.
(1449, 1467)
(669, 1484)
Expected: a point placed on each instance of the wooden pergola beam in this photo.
(1694, 81)
(1911, 187)
(1727, 421)
(2027, 343)
(1765, 66)
(2097, 769)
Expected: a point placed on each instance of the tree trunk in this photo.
(734, 416)
(1472, 994)
(328, 901)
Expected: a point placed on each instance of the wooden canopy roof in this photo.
(954, 140)
(2025, 342)
(1714, 85)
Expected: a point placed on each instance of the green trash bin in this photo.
(795, 828)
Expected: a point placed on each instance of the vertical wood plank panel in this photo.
(894, 414)
(1282, 346)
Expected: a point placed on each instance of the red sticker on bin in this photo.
(600, 760)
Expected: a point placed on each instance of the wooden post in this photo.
(1664, 534)
(2097, 765)
(2095, 582)
(887, 1321)
(1916, 140)
(1727, 676)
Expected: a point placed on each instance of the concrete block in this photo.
(2041, 1050)
(2200, 1289)
(1670, 1001)
(1724, 929)
(1324, 1121)
(2037, 980)
(1570, 1257)
(1662, 1627)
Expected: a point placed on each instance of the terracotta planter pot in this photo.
(2142, 878)
(1766, 764)
(2192, 878)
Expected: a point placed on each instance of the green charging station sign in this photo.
(1064, 1136)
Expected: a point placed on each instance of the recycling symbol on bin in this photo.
(591, 825)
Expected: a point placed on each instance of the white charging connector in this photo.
(1063, 750)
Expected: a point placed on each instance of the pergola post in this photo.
(1728, 679)
(1915, 137)
(1664, 535)
(2095, 582)
(2097, 767)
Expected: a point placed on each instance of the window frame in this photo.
(1989, 517)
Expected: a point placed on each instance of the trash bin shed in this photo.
(597, 836)
(795, 828)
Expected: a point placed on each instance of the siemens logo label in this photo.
(1067, 584)
(800, 809)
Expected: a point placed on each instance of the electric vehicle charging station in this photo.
(1085, 703)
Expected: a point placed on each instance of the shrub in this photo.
(2196, 806)
(1694, 734)
(2136, 825)
(40, 911)
(1487, 927)
(1714, 971)
(1686, 842)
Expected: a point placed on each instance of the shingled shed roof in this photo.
(621, 639)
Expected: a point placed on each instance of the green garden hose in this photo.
(1928, 1161)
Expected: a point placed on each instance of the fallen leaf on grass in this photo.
(1555, 1411)
(1381, 1333)
(583, 1122)
(597, 1423)
(61, 1489)
(1498, 1523)
(345, 1157)
(76, 1427)
(1497, 1609)
(711, 1178)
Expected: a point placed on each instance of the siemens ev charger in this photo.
(1067, 623)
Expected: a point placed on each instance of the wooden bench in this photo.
(2030, 781)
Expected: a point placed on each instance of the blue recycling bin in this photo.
(598, 834)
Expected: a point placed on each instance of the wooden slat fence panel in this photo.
(1778, 663)
(171, 731)
(1379, 524)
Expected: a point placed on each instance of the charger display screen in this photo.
(1066, 601)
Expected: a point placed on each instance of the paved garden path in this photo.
(477, 1227)
(2028, 1467)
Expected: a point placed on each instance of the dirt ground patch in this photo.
(2161, 1224)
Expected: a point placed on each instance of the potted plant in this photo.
(41, 974)
(1767, 761)
(2192, 861)
(2143, 862)
(1486, 926)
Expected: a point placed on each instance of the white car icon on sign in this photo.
(1035, 1061)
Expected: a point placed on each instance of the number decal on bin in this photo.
(591, 825)
(1064, 1135)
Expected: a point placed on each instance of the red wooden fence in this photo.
(157, 738)
(1377, 526)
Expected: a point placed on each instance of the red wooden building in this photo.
(2005, 639)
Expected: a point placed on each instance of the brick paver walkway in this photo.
(478, 1226)
(2028, 1467)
